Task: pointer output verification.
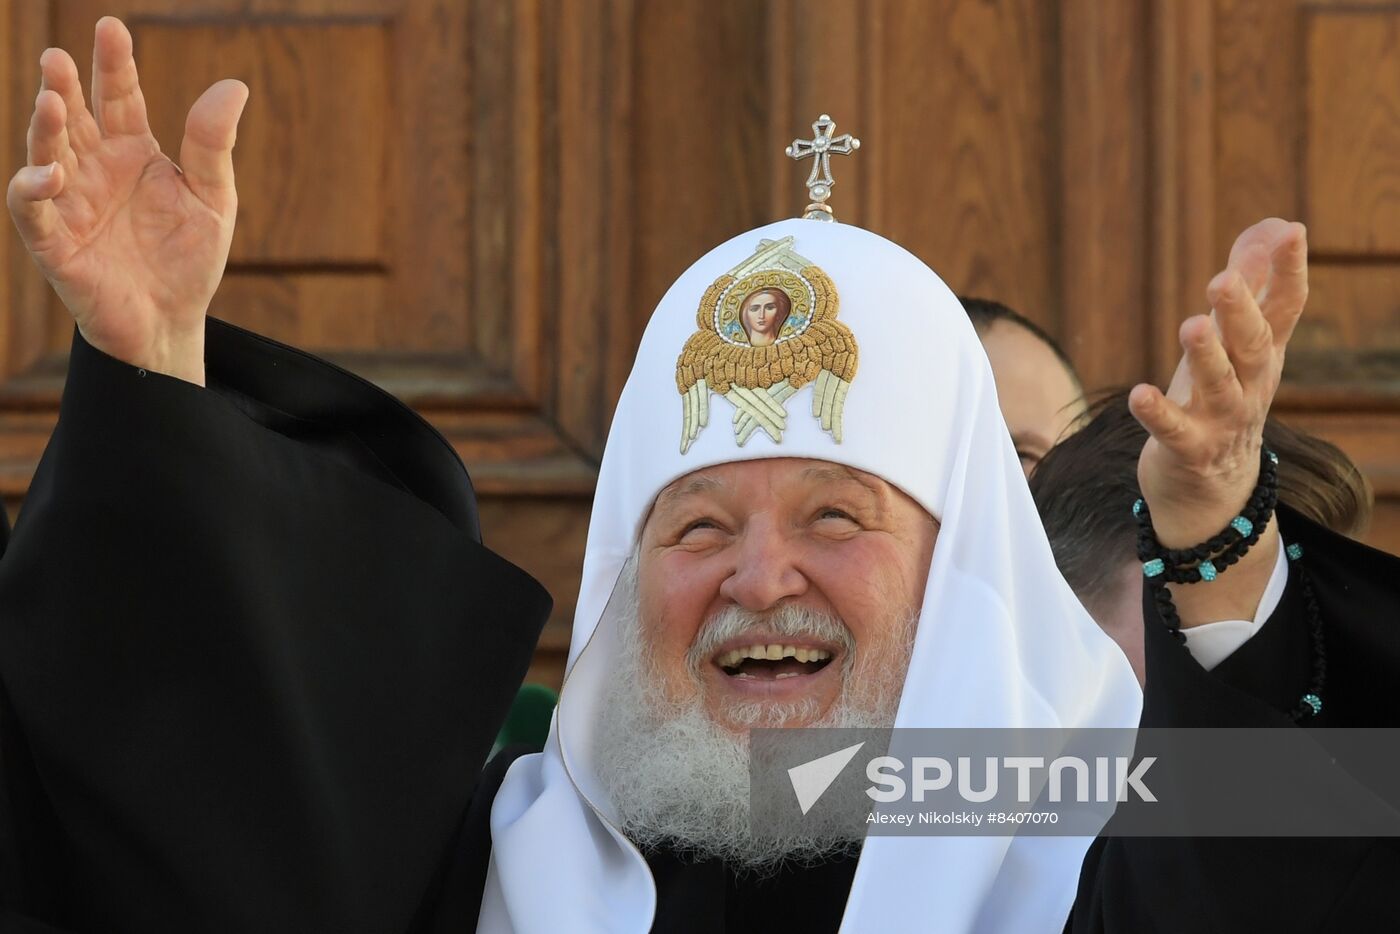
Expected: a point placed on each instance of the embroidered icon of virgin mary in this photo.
(766, 329)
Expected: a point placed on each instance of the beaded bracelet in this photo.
(1208, 560)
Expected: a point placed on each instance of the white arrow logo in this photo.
(810, 780)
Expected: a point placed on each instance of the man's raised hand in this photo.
(1202, 460)
(134, 246)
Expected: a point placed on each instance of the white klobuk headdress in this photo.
(1002, 641)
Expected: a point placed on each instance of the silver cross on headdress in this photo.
(820, 148)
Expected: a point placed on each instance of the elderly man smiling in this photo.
(909, 545)
(267, 704)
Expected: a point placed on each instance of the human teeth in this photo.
(771, 652)
(785, 674)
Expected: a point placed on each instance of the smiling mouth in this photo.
(772, 662)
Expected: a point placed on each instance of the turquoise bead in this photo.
(1153, 568)
(1294, 551)
(1208, 571)
(1313, 701)
(1242, 525)
(1137, 508)
(1273, 457)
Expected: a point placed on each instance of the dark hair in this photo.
(1085, 486)
(984, 313)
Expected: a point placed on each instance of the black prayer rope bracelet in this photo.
(1205, 562)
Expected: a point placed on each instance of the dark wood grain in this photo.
(329, 310)
(969, 165)
(478, 204)
(1183, 184)
(1259, 115)
(822, 63)
(593, 192)
(1103, 240)
(1352, 308)
(700, 119)
(24, 295)
(310, 177)
(1267, 107)
(1352, 181)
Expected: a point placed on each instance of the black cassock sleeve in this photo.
(253, 654)
(1277, 885)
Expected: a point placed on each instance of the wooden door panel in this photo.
(1290, 109)
(1351, 149)
(477, 204)
(394, 163)
(314, 140)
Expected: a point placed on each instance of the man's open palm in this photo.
(134, 246)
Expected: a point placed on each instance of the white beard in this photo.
(678, 778)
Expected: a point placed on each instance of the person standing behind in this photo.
(1085, 487)
(1038, 390)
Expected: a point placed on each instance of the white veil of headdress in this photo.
(1002, 641)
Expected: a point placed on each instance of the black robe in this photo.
(252, 653)
(253, 656)
(1273, 884)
